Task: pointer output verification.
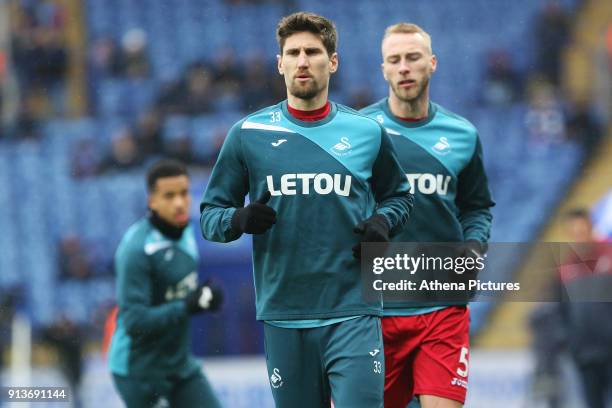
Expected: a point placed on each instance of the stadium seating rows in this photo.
(181, 32)
(43, 202)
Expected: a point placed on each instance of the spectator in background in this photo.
(170, 97)
(502, 83)
(149, 134)
(587, 322)
(134, 60)
(124, 154)
(181, 148)
(257, 89)
(85, 158)
(193, 94)
(73, 259)
(574, 322)
(583, 126)
(545, 120)
(51, 68)
(39, 52)
(228, 80)
(22, 49)
(199, 93)
(549, 341)
(226, 70)
(27, 125)
(66, 337)
(48, 13)
(104, 59)
(551, 34)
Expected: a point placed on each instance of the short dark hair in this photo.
(164, 168)
(310, 22)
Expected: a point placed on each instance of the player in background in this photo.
(322, 178)
(157, 292)
(427, 349)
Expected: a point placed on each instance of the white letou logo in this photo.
(303, 183)
(275, 379)
(278, 142)
(442, 146)
(426, 183)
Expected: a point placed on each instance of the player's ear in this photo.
(434, 63)
(279, 64)
(382, 68)
(333, 63)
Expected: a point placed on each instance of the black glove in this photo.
(255, 218)
(472, 249)
(206, 297)
(374, 229)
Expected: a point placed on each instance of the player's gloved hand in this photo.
(255, 218)
(374, 229)
(473, 249)
(206, 298)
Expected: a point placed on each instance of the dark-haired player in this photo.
(157, 292)
(322, 178)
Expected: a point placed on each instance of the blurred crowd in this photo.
(552, 116)
(226, 84)
(41, 59)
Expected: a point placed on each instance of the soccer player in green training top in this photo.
(322, 179)
(426, 349)
(157, 292)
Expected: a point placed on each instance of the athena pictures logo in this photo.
(275, 379)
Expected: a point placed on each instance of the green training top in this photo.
(442, 158)
(154, 274)
(325, 177)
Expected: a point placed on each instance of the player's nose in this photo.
(302, 59)
(181, 203)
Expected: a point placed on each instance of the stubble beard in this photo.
(419, 92)
(305, 92)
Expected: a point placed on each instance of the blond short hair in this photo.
(408, 28)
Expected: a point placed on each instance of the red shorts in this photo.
(426, 355)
